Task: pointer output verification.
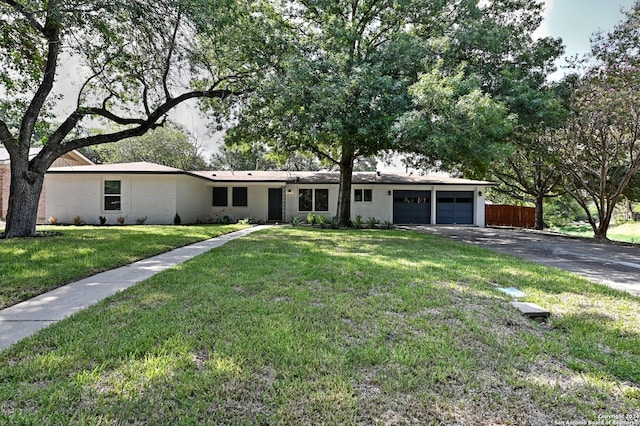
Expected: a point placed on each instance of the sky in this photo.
(575, 21)
(572, 20)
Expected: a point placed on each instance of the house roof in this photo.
(142, 167)
(324, 177)
(260, 176)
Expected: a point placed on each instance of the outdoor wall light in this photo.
(479, 193)
(288, 192)
(389, 192)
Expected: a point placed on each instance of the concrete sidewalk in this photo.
(24, 319)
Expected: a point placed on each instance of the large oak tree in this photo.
(405, 75)
(134, 61)
(600, 146)
(529, 171)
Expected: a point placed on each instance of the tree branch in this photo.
(5, 136)
(323, 154)
(28, 16)
(52, 33)
(142, 124)
(167, 63)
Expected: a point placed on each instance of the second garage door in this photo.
(454, 207)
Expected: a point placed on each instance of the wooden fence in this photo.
(505, 215)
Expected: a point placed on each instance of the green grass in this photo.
(626, 232)
(29, 267)
(305, 326)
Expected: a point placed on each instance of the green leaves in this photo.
(453, 124)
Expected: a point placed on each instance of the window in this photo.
(322, 200)
(239, 197)
(112, 194)
(305, 198)
(313, 200)
(360, 195)
(219, 196)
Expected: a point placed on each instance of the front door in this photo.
(275, 205)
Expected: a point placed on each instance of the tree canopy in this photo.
(528, 171)
(135, 60)
(599, 149)
(408, 76)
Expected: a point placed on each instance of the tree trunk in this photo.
(601, 232)
(628, 213)
(539, 225)
(603, 226)
(24, 195)
(344, 191)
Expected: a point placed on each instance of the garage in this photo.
(454, 207)
(412, 207)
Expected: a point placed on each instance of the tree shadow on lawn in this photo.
(325, 328)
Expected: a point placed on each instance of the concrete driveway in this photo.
(614, 264)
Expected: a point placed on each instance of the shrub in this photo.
(321, 220)
(372, 222)
(225, 220)
(53, 220)
(563, 211)
(121, 220)
(295, 220)
(141, 220)
(311, 218)
(246, 221)
(78, 221)
(177, 220)
(102, 220)
(334, 223)
(357, 222)
(388, 224)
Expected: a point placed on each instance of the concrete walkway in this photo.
(24, 319)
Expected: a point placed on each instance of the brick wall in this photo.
(4, 189)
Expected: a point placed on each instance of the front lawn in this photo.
(628, 232)
(32, 266)
(309, 326)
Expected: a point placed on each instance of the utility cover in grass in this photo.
(531, 310)
(511, 291)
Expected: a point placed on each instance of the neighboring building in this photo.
(145, 190)
(73, 158)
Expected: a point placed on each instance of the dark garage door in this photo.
(454, 207)
(412, 207)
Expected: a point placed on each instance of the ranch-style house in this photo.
(144, 190)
